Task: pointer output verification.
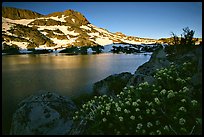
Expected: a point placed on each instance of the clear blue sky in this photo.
(142, 19)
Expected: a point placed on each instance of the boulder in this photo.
(112, 84)
(43, 114)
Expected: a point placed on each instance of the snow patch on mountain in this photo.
(21, 21)
(73, 20)
(103, 41)
(62, 19)
(85, 27)
(60, 42)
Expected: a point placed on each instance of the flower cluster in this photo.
(139, 109)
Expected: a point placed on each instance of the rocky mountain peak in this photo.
(71, 17)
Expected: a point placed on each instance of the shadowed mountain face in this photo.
(16, 14)
(27, 29)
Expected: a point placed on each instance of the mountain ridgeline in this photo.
(17, 14)
(30, 30)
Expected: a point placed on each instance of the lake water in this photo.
(24, 75)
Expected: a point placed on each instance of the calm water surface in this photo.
(24, 75)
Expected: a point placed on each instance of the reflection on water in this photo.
(24, 75)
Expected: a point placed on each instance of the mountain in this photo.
(28, 29)
(15, 14)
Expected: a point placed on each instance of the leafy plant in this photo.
(167, 107)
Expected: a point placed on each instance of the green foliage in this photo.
(70, 50)
(167, 107)
(97, 49)
(181, 45)
(13, 49)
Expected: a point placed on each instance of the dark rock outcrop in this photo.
(43, 114)
(112, 84)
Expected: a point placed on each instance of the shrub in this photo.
(167, 107)
(180, 45)
(10, 49)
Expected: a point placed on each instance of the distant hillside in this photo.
(170, 39)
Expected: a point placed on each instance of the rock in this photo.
(112, 84)
(43, 114)
(145, 72)
(197, 79)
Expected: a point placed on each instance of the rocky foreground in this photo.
(49, 113)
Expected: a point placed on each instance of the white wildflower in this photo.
(131, 87)
(127, 102)
(183, 100)
(170, 95)
(158, 132)
(166, 128)
(137, 109)
(138, 100)
(104, 119)
(140, 117)
(130, 99)
(157, 101)
(185, 89)
(194, 102)
(121, 93)
(121, 118)
(150, 104)
(118, 109)
(182, 109)
(104, 96)
(139, 126)
(159, 78)
(153, 111)
(102, 111)
(107, 107)
(84, 105)
(132, 117)
(126, 111)
(107, 112)
(148, 111)
(146, 102)
(149, 124)
(182, 121)
(163, 91)
(135, 104)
